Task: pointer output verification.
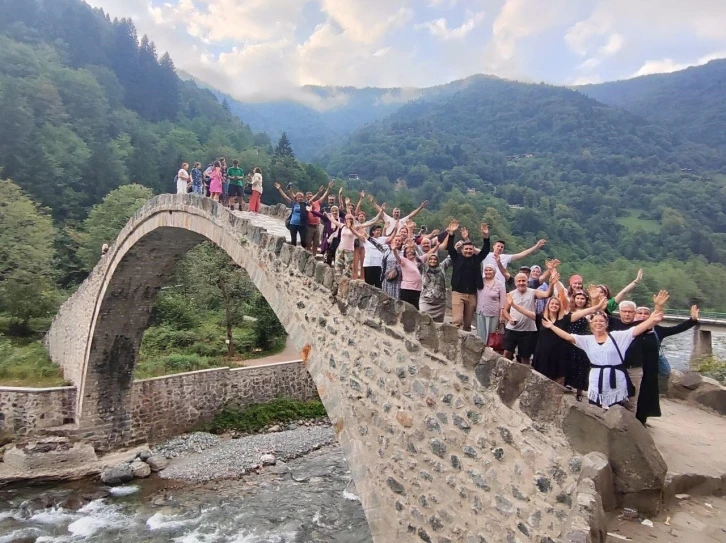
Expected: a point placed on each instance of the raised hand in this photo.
(362, 194)
(594, 292)
(541, 243)
(331, 184)
(277, 186)
(603, 305)
(656, 317)
(383, 206)
(547, 323)
(555, 276)
(694, 312)
(639, 276)
(497, 258)
(340, 191)
(453, 226)
(660, 299)
(424, 203)
(371, 198)
(347, 200)
(464, 232)
(484, 229)
(435, 232)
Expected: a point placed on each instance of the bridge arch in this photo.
(445, 440)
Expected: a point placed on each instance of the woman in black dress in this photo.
(578, 372)
(649, 351)
(552, 353)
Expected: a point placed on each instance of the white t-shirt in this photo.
(489, 261)
(257, 182)
(606, 355)
(182, 179)
(373, 257)
(525, 300)
(393, 224)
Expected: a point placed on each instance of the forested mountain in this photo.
(87, 106)
(691, 102)
(599, 181)
(338, 112)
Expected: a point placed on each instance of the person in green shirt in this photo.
(236, 185)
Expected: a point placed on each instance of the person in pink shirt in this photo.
(215, 183)
(344, 256)
(410, 275)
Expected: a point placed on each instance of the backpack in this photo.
(208, 171)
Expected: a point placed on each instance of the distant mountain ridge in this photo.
(691, 101)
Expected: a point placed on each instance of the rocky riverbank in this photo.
(201, 457)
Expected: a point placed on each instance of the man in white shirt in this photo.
(520, 332)
(498, 249)
(395, 222)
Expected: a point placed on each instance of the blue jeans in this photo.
(196, 189)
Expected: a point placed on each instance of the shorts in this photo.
(523, 342)
(235, 191)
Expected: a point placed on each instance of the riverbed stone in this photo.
(140, 469)
(117, 475)
(157, 462)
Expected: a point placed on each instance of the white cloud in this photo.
(668, 65)
(366, 21)
(440, 27)
(519, 19)
(614, 44)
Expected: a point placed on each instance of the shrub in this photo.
(256, 416)
(173, 309)
(714, 368)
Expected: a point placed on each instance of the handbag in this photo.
(664, 367)
(495, 341)
(247, 189)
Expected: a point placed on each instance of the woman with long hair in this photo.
(256, 195)
(390, 269)
(344, 257)
(579, 368)
(410, 274)
(297, 222)
(609, 383)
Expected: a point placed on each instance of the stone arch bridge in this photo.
(446, 441)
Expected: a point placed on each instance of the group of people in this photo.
(227, 185)
(567, 332)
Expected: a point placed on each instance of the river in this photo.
(678, 348)
(309, 499)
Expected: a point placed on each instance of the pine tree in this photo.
(225, 105)
(168, 93)
(284, 148)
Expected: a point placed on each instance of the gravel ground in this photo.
(195, 442)
(235, 457)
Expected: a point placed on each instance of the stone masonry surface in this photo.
(446, 441)
(24, 411)
(164, 406)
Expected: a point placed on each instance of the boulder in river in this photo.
(144, 455)
(117, 475)
(157, 462)
(140, 469)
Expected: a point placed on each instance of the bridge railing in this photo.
(703, 315)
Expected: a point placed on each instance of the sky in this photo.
(264, 50)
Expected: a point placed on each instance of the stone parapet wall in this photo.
(25, 411)
(167, 406)
(164, 406)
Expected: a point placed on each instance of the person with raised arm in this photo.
(349, 231)
(649, 351)
(410, 274)
(298, 220)
(433, 282)
(520, 332)
(552, 353)
(466, 278)
(609, 383)
(394, 222)
(506, 259)
(578, 370)
(597, 292)
(314, 231)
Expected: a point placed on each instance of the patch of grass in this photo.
(25, 363)
(633, 222)
(277, 347)
(256, 416)
(714, 368)
(175, 363)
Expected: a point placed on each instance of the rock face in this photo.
(586, 522)
(700, 391)
(117, 475)
(49, 454)
(638, 468)
(596, 466)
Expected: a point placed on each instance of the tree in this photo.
(284, 148)
(26, 256)
(106, 220)
(225, 105)
(168, 95)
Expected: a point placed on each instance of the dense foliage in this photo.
(599, 182)
(690, 102)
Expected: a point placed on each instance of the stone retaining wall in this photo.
(164, 406)
(24, 411)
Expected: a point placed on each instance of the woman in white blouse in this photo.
(609, 382)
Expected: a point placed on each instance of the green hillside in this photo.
(690, 102)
